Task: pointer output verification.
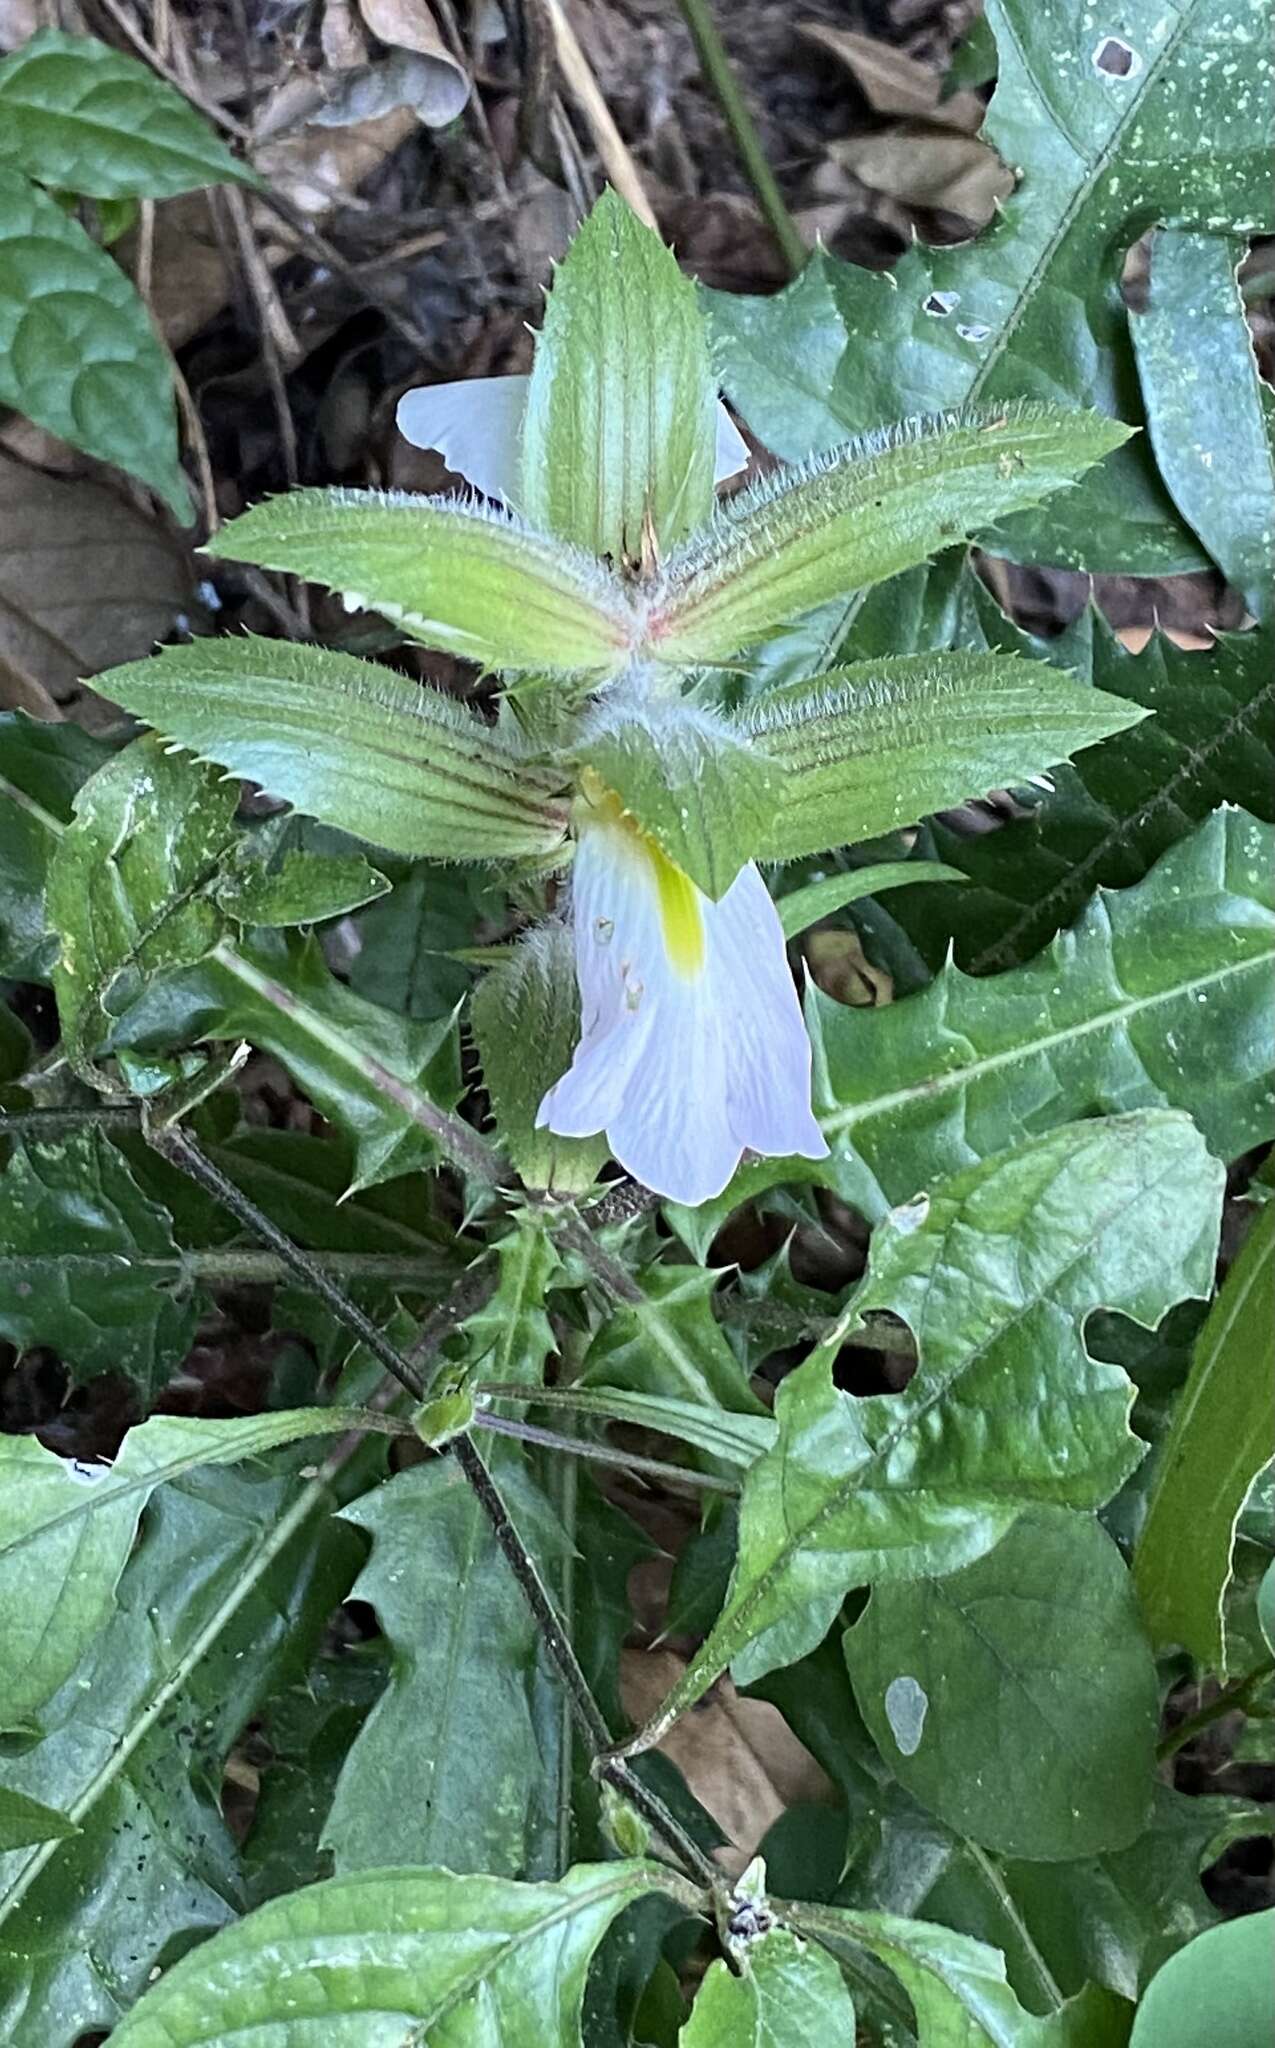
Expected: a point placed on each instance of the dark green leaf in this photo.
(1222, 1434)
(129, 888)
(394, 762)
(1121, 804)
(77, 352)
(1209, 415)
(41, 767)
(1220, 1988)
(89, 1265)
(525, 1015)
(1018, 1699)
(860, 514)
(446, 1767)
(621, 415)
(406, 938)
(24, 1822)
(670, 1344)
(696, 785)
(449, 573)
(473, 1960)
(76, 114)
(867, 749)
(995, 1272)
(1034, 304)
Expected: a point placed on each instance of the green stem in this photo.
(601, 1454)
(176, 1145)
(717, 70)
(454, 1137)
(1233, 1696)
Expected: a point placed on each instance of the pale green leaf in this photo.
(472, 1961)
(1209, 415)
(449, 572)
(394, 762)
(510, 1337)
(525, 1015)
(1221, 1435)
(226, 1594)
(1034, 304)
(787, 1993)
(995, 1272)
(1017, 1698)
(1219, 1989)
(66, 1530)
(78, 115)
(801, 908)
(669, 1343)
(957, 1986)
(446, 1767)
(736, 1438)
(89, 1265)
(867, 749)
(621, 422)
(129, 887)
(77, 352)
(305, 888)
(866, 511)
(705, 791)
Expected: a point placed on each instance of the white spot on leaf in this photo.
(906, 1706)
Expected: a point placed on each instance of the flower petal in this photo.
(475, 424)
(768, 1080)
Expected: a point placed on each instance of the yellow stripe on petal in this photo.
(681, 914)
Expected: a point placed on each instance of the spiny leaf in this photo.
(866, 749)
(454, 574)
(351, 743)
(621, 414)
(847, 520)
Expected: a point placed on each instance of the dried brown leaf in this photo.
(925, 166)
(86, 581)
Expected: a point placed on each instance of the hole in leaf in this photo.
(1116, 58)
(940, 304)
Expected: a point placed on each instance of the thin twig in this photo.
(585, 91)
(608, 1272)
(150, 55)
(1232, 1697)
(717, 70)
(181, 1150)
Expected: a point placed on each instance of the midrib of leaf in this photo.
(1194, 759)
(909, 1416)
(33, 809)
(1039, 271)
(254, 1569)
(651, 1879)
(104, 133)
(959, 1077)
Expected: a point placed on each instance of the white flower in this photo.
(693, 1046)
(476, 426)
